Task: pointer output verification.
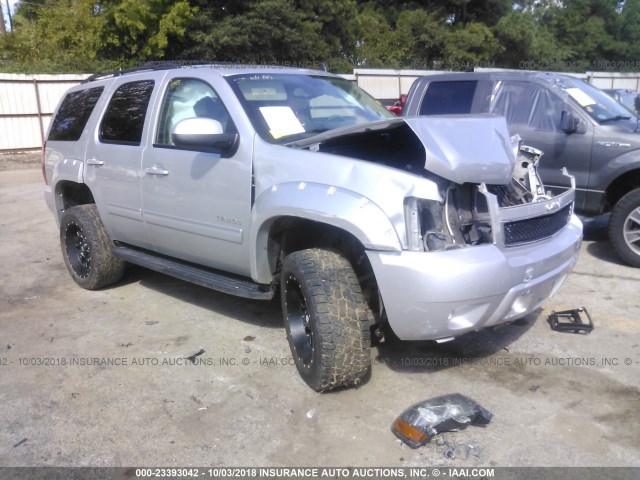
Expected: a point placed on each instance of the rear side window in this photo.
(448, 97)
(73, 114)
(124, 119)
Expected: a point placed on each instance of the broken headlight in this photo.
(461, 219)
(420, 422)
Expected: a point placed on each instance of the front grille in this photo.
(537, 228)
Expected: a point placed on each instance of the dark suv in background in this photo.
(576, 125)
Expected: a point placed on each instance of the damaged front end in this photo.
(488, 185)
(511, 214)
(493, 194)
(483, 242)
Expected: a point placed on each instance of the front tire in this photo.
(624, 228)
(86, 248)
(326, 318)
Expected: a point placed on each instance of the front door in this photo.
(196, 204)
(535, 113)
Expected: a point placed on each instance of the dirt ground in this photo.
(101, 378)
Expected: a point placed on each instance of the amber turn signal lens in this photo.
(408, 433)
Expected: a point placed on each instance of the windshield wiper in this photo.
(616, 118)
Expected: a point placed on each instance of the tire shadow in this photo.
(595, 228)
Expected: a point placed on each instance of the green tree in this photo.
(267, 31)
(59, 35)
(137, 30)
(420, 38)
(526, 43)
(335, 18)
(470, 45)
(586, 30)
(85, 35)
(373, 45)
(629, 34)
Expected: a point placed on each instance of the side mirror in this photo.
(569, 122)
(204, 134)
(636, 104)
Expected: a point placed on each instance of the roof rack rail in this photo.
(148, 66)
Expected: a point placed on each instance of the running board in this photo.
(200, 276)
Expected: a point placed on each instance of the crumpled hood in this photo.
(466, 148)
(460, 148)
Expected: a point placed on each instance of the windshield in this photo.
(600, 106)
(628, 99)
(288, 107)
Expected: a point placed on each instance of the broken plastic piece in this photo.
(197, 354)
(420, 422)
(571, 321)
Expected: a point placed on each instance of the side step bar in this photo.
(221, 282)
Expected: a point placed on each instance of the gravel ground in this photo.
(558, 399)
(19, 161)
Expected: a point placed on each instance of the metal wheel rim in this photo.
(631, 231)
(299, 321)
(78, 250)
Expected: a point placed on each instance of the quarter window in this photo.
(124, 120)
(73, 114)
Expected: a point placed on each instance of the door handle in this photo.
(94, 161)
(156, 170)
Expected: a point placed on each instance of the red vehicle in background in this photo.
(396, 108)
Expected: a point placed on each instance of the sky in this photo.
(4, 10)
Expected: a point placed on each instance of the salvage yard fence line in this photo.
(27, 102)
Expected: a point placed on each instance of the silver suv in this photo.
(257, 181)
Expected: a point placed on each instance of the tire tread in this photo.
(343, 317)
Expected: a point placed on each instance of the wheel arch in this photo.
(620, 186)
(290, 218)
(70, 194)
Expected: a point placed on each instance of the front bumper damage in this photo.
(437, 295)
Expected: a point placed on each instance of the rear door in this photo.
(114, 156)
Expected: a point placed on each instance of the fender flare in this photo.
(618, 167)
(68, 170)
(321, 203)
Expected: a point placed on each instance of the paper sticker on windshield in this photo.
(579, 96)
(281, 121)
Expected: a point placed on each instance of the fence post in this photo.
(39, 107)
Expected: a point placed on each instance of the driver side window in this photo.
(189, 98)
(527, 104)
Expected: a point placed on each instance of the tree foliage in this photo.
(87, 35)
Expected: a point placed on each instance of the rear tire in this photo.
(86, 248)
(326, 318)
(624, 228)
